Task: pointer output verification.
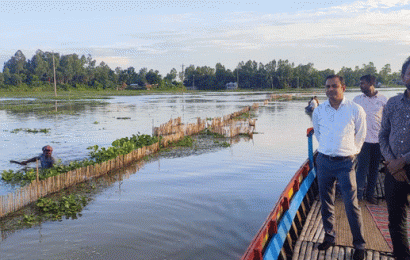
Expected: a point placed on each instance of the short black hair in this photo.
(335, 76)
(369, 79)
(405, 65)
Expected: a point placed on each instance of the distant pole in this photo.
(182, 73)
(237, 77)
(271, 79)
(54, 70)
(37, 178)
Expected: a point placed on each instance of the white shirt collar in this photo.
(327, 103)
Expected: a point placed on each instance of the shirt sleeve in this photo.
(384, 135)
(315, 120)
(360, 128)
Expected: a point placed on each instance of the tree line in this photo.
(73, 71)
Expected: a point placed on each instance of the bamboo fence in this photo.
(38, 189)
(171, 131)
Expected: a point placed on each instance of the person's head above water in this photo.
(47, 150)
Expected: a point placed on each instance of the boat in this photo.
(293, 229)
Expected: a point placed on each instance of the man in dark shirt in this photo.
(47, 161)
(394, 138)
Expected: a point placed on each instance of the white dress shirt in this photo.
(373, 106)
(339, 132)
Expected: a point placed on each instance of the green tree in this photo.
(349, 76)
(17, 63)
(104, 77)
(153, 77)
(189, 76)
(385, 74)
(284, 73)
(302, 76)
(171, 76)
(38, 67)
(7, 76)
(1, 79)
(270, 68)
(222, 76)
(369, 69)
(17, 68)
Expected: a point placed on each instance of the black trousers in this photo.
(397, 203)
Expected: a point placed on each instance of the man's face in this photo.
(47, 152)
(406, 78)
(334, 89)
(365, 87)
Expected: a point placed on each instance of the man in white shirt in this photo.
(369, 157)
(340, 128)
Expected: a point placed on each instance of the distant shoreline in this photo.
(91, 94)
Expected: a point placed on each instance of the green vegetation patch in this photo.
(223, 144)
(187, 141)
(55, 209)
(207, 131)
(67, 206)
(42, 106)
(27, 175)
(245, 115)
(33, 131)
(121, 146)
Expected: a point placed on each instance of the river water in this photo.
(201, 206)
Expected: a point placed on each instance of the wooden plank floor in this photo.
(312, 234)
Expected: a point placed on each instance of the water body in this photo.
(206, 206)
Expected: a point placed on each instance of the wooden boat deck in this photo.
(294, 230)
(312, 233)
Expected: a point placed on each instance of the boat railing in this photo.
(274, 239)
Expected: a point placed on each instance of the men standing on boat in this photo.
(394, 140)
(312, 104)
(369, 157)
(46, 160)
(340, 128)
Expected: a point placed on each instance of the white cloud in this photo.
(114, 61)
(367, 26)
(387, 3)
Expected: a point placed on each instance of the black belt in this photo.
(336, 158)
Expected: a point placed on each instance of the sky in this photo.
(167, 34)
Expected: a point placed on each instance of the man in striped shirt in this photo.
(394, 140)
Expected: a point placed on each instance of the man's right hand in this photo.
(400, 176)
(396, 165)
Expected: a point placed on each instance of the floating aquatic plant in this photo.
(33, 131)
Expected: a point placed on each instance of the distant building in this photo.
(231, 85)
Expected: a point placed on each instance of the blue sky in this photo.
(166, 34)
